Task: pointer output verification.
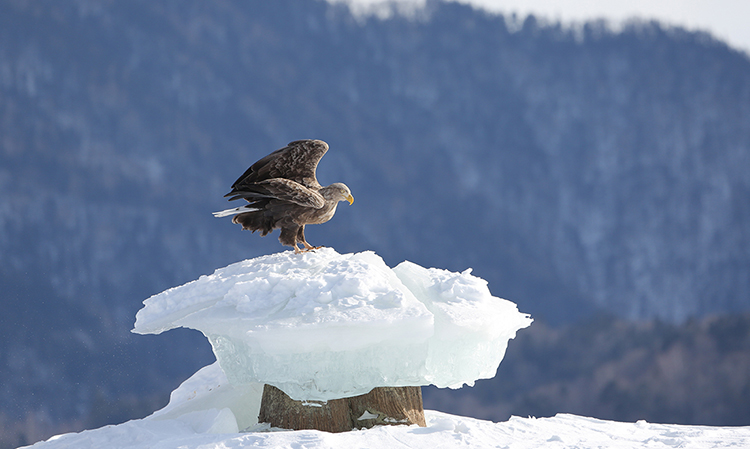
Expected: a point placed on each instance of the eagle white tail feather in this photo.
(234, 211)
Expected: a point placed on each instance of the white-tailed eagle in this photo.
(283, 193)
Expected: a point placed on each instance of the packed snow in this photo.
(324, 325)
(201, 415)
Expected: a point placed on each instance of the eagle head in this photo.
(338, 191)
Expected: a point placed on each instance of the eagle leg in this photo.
(288, 237)
(301, 239)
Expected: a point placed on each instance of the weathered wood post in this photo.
(381, 406)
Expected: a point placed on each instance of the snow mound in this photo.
(208, 403)
(324, 325)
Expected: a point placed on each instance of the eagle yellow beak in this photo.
(350, 199)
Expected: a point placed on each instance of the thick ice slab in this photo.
(324, 325)
(471, 327)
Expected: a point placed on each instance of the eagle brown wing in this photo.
(281, 189)
(297, 162)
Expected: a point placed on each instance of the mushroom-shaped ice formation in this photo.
(324, 325)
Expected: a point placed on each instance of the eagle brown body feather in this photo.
(283, 193)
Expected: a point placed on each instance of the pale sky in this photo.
(728, 20)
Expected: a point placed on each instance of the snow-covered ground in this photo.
(200, 415)
(324, 325)
(442, 431)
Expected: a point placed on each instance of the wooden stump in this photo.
(381, 406)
